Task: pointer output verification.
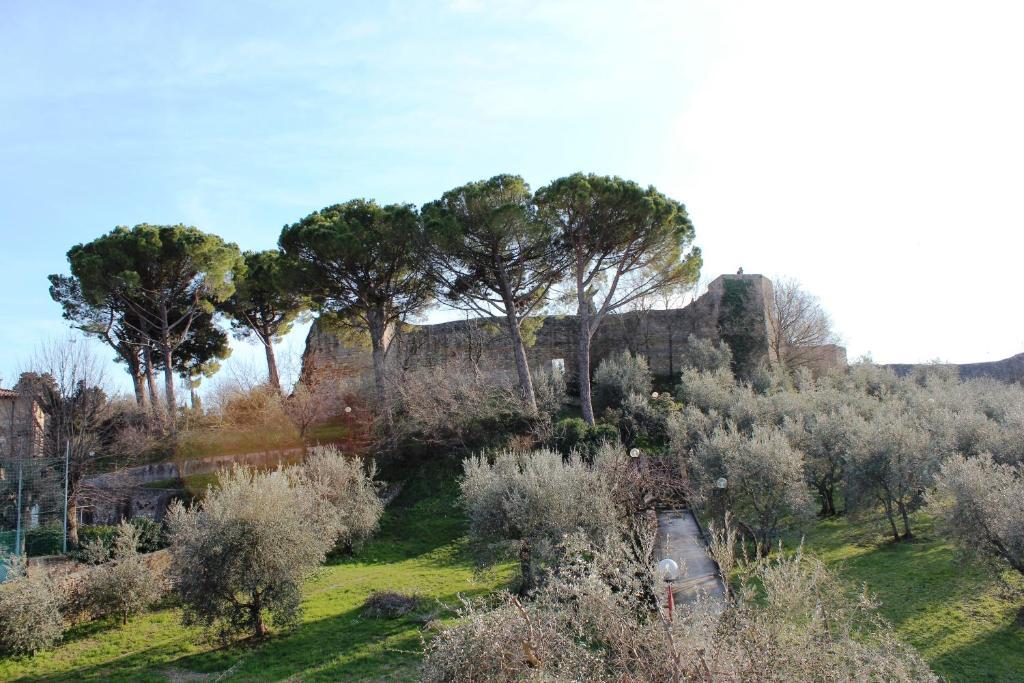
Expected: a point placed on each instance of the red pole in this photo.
(671, 601)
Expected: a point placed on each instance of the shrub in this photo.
(246, 550)
(574, 434)
(44, 540)
(30, 613)
(790, 617)
(150, 535)
(346, 491)
(124, 585)
(617, 377)
(704, 355)
(103, 533)
(522, 505)
(645, 420)
(569, 434)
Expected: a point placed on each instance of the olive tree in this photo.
(618, 377)
(827, 440)
(244, 552)
(123, 585)
(346, 490)
(764, 479)
(705, 355)
(891, 467)
(524, 504)
(623, 242)
(981, 504)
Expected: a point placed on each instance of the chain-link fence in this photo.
(31, 507)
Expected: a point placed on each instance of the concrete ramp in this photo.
(679, 538)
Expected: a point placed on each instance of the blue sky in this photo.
(871, 150)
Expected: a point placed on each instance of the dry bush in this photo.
(789, 619)
(456, 406)
(389, 605)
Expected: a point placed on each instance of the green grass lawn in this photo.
(420, 548)
(958, 616)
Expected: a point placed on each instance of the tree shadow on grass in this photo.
(998, 656)
(344, 646)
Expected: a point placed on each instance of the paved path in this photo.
(679, 537)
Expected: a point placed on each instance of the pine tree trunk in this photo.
(73, 520)
(583, 357)
(522, 364)
(169, 383)
(586, 399)
(272, 375)
(154, 400)
(138, 380)
(377, 325)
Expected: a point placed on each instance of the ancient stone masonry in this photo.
(734, 309)
(22, 424)
(1006, 370)
(22, 430)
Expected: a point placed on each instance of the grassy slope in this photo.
(956, 614)
(420, 548)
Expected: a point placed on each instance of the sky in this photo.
(872, 150)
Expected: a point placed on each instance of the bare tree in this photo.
(800, 327)
(316, 397)
(69, 382)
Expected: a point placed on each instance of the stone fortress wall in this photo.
(734, 309)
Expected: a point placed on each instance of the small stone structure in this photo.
(734, 309)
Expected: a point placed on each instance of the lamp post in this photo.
(669, 570)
